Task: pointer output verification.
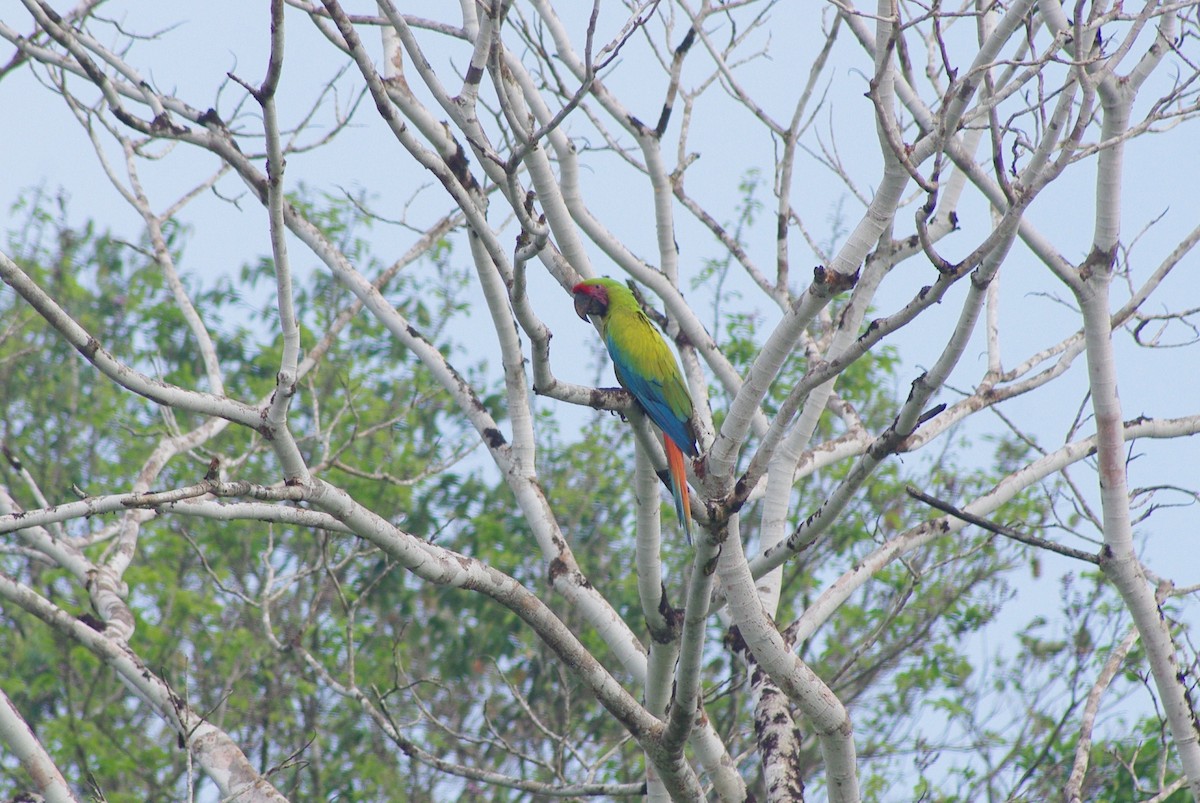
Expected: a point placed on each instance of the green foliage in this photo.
(374, 421)
(235, 617)
(382, 430)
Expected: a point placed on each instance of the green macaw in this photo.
(646, 367)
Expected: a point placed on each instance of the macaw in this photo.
(646, 367)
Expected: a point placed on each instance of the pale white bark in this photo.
(1121, 563)
(24, 745)
(778, 740)
(427, 560)
(1092, 290)
(286, 379)
(212, 747)
(907, 420)
(828, 717)
(662, 620)
(837, 592)
(125, 376)
(1038, 242)
(446, 568)
(1073, 790)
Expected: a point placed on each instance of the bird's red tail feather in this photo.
(679, 486)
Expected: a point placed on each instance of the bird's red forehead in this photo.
(593, 290)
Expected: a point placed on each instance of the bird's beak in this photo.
(583, 303)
